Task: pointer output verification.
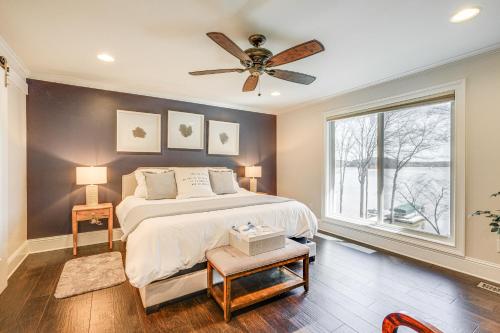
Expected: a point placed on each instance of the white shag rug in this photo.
(90, 273)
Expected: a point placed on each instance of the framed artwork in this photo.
(185, 130)
(223, 138)
(138, 132)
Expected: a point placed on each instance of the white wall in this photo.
(16, 182)
(3, 183)
(300, 141)
(14, 161)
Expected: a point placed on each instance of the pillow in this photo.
(235, 176)
(222, 181)
(141, 189)
(160, 185)
(193, 183)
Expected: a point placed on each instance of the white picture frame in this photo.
(138, 132)
(186, 130)
(223, 138)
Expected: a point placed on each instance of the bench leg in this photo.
(210, 276)
(227, 299)
(305, 272)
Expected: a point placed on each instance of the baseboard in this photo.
(17, 258)
(467, 265)
(66, 241)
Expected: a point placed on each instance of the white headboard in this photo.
(129, 183)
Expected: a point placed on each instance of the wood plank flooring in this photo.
(350, 291)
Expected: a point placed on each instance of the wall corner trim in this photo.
(17, 258)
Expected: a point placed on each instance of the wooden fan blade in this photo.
(217, 71)
(229, 46)
(250, 83)
(292, 76)
(295, 53)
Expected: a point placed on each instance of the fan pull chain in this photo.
(259, 94)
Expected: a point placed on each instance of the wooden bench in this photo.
(232, 264)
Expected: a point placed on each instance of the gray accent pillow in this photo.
(160, 185)
(222, 181)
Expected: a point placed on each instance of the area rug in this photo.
(90, 273)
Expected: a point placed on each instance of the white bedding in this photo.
(160, 247)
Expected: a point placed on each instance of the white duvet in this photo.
(160, 247)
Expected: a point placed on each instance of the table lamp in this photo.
(253, 172)
(91, 176)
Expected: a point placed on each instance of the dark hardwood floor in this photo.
(350, 291)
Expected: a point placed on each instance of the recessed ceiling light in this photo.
(105, 57)
(275, 93)
(465, 14)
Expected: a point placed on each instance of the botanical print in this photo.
(185, 130)
(224, 138)
(138, 132)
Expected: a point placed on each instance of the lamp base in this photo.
(253, 185)
(91, 195)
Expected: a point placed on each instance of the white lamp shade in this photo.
(91, 175)
(253, 171)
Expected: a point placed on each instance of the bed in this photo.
(166, 239)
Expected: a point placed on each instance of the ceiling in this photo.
(158, 42)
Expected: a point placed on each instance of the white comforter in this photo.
(160, 247)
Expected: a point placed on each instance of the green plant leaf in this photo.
(495, 229)
(494, 224)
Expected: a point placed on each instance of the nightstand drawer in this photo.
(90, 214)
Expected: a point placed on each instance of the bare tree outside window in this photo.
(428, 199)
(415, 157)
(413, 135)
(365, 144)
(343, 146)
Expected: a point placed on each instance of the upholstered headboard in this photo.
(129, 182)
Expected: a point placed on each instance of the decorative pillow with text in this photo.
(193, 183)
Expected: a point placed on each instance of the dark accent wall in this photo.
(70, 126)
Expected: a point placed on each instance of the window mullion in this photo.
(380, 168)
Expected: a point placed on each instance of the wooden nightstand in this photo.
(87, 213)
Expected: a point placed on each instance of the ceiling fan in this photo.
(258, 60)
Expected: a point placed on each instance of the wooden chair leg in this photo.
(227, 299)
(305, 272)
(209, 279)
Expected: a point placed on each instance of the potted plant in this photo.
(493, 215)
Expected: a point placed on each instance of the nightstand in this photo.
(88, 213)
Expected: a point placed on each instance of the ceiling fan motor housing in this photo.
(259, 55)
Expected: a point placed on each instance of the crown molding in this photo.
(318, 101)
(122, 88)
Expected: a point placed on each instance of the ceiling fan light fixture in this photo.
(258, 60)
(465, 14)
(105, 57)
(275, 93)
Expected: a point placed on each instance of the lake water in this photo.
(424, 183)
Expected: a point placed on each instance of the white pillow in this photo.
(141, 191)
(235, 177)
(193, 183)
